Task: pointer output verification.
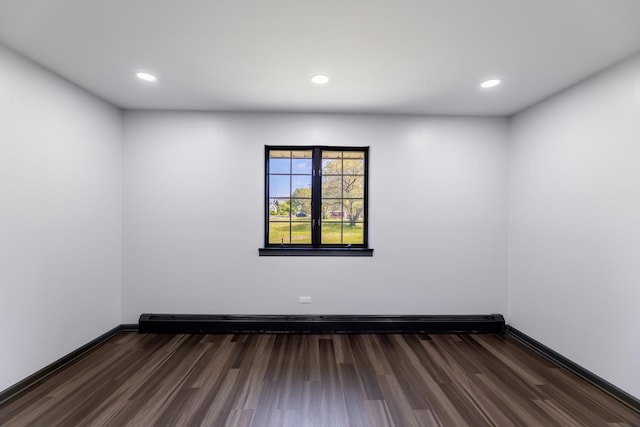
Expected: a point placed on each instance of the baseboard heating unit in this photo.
(210, 323)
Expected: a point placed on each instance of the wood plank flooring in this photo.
(313, 380)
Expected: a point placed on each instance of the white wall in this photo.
(193, 216)
(574, 204)
(60, 217)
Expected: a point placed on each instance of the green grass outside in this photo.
(350, 234)
(301, 232)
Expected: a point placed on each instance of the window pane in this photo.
(338, 232)
(353, 186)
(353, 167)
(331, 187)
(280, 154)
(279, 209)
(332, 154)
(353, 234)
(331, 166)
(301, 186)
(279, 186)
(331, 232)
(301, 208)
(353, 209)
(353, 155)
(279, 232)
(306, 154)
(301, 232)
(279, 165)
(301, 166)
(302, 162)
(332, 210)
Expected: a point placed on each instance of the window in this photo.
(316, 201)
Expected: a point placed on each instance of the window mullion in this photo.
(290, 197)
(316, 197)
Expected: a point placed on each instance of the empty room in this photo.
(340, 213)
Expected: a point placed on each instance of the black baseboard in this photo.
(208, 324)
(37, 377)
(585, 374)
(129, 327)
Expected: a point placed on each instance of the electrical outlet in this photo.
(305, 300)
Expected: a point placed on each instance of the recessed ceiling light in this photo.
(319, 79)
(146, 77)
(490, 83)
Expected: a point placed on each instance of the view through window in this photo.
(316, 196)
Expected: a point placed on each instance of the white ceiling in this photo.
(392, 56)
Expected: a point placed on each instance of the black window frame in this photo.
(316, 247)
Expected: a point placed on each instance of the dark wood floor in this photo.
(313, 380)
